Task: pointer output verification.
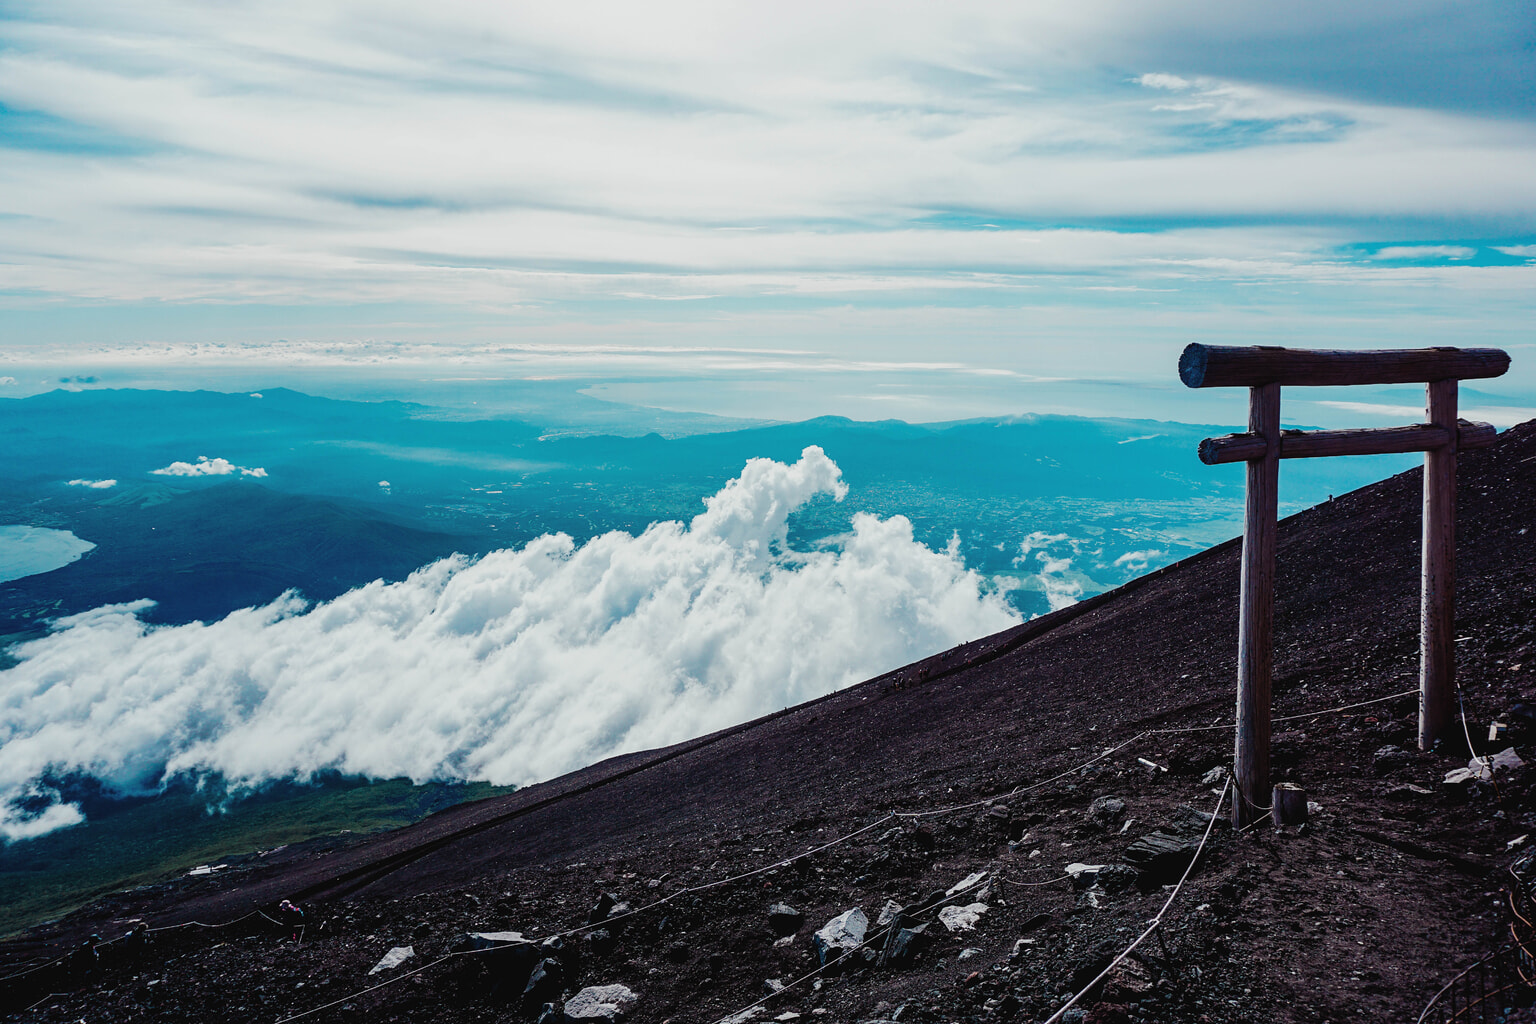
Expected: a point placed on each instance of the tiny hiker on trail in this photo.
(291, 915)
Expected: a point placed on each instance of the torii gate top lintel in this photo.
(1226, 366)
(1263, 370)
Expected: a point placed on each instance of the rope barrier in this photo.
(1348, 707)
(40, 1002)
(1483, 762)
(737, 1015)
(723, 881)
(785, 863)
(1020, 789)
(40, 967)
(1157, 921)
(1294, 718)
(123, 938)
(1448, 985)
(200, 924)
(372, 988)
(1461, 704)
(1049, 881)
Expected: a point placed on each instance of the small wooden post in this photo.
(1288, 804)
(1255, 657)
(1437, 598)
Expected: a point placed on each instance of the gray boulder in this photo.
(604, 906)
(1161, 857)
(1106, 812)
(1389, 759)
(843, 933)
(784, 919)
(600, 1003)
(904, 944)
(544, 984)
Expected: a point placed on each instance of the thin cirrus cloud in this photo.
(362, 153)
(514, 667)
(1501, 416)
(1424, 252)
(832, 174)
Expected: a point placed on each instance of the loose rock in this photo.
(965, 883)
(394, 958)
(600, 941)
(1389, 759)
(605, 904)
(1161, 857)
(601, 1002)
(839, 935)
(904, 944)
(784, 919)
(1106, 812)
(545, 983)
(958, 919)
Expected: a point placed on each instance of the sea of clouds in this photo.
(514, 667)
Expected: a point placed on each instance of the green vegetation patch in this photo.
(128, 844)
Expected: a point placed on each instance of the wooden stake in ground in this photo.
(1288, 804)
(1263, 370)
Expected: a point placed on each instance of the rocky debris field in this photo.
(973, 839)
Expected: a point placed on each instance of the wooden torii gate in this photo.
(1263, 370)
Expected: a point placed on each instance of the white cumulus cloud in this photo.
(98, 485)
(512, 668)
(204, 466)
(1137, 561)
(1162, 80)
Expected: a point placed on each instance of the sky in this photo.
(916, 210)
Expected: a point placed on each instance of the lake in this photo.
(29, 550)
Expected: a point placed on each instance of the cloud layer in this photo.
(513, 668)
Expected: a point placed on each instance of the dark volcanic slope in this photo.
(1359, 916)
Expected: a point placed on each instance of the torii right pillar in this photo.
(1437, 591)
(1263, 370)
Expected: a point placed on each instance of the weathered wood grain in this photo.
(1220, 366)
(1256, 604)
(1437, 596)
(1312, 444)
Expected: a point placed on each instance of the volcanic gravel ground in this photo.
(1362, 914)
